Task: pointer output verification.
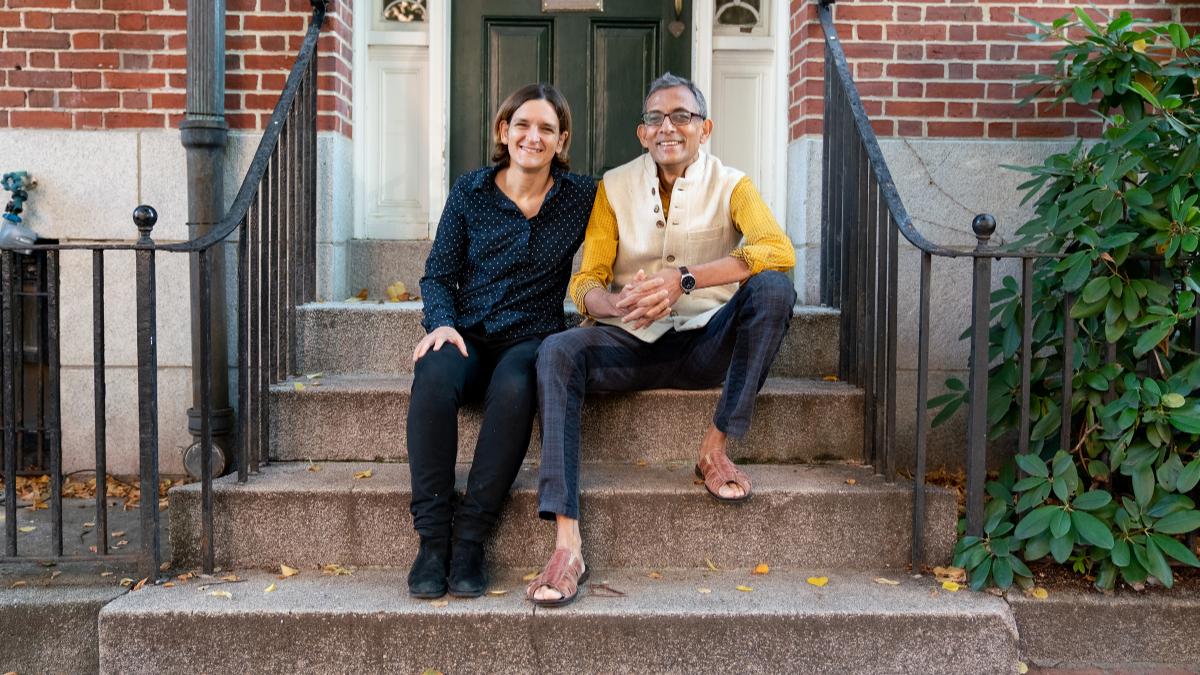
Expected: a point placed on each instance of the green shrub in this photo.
(1121, 213)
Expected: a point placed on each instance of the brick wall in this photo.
(114, 64)
(946, 68)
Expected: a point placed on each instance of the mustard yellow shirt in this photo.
(766, 246)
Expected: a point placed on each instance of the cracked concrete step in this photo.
(368, 337)
(633, 516)
(366, 623)
(363, 418)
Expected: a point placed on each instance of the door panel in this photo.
(603, 62)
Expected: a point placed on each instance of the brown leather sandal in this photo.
(564, 573)
(719, 471)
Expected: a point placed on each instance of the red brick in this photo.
(956, 14)
(89, 60)
(119, 80)
(1045, 129)
(955, 129)
(9, 19)
(922, 33)
(86, 80)
(132, 22)
(915, 109)
(272, 5)
(43, 79)
(13, 59)
(272, 43)
(1002, 52)
(39, 119)
(1000, 130)
(166, 22)
(910, 89)
(37, 40)
(869, 50)
(268, 62)
(948, 52)
(87, 4)
(78, 20)
(910, 128)
(867, 71)
(89, 119)
(276, 82)
(1004, 110)
(12, 98)
(41, 60)
(137, 41)
(134, 61)
(961, 33)
(253, 22)
(89, 99)
(163, 101)
(868, 32)
(85, 40)
(997, 71)
(916, 70)
(955, 90)
(38, 20)
(168, 61)
(51, 4)
(908, 13)
(885, 128)
(960, 110)
(910, 52)
(177, 42)
(133, 5)
(852, 12)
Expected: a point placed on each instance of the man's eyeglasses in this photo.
(679, 118)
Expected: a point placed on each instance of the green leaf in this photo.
(1173, 400)
(1187, 421)
(1120, 553)
(1143, 485)
(1188, 477)
(979, 577)
(1181, 522)
(1135, 197)
(1174, 548)
(1149, 339)
(1087, 20)
(1037, 547)
(1145, 93)
(1002, 572)
(1095, 289)
(1060, 524)
(1061, 547)
(1028, 483)
(1157, 564)
(1168, 472)
(1033, 465)
(1035, 522)
(1092, 500)
(1091, 529)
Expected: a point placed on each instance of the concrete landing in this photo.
(626, 622)
(800, 516)
(363, 418)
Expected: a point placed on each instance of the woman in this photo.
(494, 286)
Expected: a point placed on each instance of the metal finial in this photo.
(145, 217)
(984, 226)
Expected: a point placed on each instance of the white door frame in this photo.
(437, 39)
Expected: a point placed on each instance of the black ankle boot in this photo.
(468, 578)
(427, 578)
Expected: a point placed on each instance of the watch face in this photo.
(687, 282)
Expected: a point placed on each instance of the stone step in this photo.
(625, 622)
(363, 418)
(369, 337)
(830, 515)
(375, 264)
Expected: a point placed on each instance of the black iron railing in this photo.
(274, 217)
(862, 216)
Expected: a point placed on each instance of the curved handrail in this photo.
(887, 186)
(266, 146)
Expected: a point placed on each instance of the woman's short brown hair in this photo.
(533, 92)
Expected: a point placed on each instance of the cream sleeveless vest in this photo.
(698, 229)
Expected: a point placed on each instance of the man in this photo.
(678, 302)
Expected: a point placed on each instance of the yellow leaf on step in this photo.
(654, 575)
(830, 378)
(951, 586)
(26, 530)
(710, 564)
(169, 584)
(529, 577)
(818, 581)
(950, 574)
(286, 571)
(230, 578)
(885, 581)
(761, 568)
(365, 473)
(299, 386)
(222, 594)
(431, 671)
(1040, 593)
(704, 590)
(1022, 668)
(314, 467)
(126, 582)
(440, 603)
(334, 569)
(497, 592)
(270, 589)
(745, 589)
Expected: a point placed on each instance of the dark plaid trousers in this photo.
(736, 347)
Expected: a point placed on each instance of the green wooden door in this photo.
(602, 60)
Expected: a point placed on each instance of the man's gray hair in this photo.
(669, 80)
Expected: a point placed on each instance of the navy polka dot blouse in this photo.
(492, 270)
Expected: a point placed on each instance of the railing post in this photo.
(981, 285)
(7, 370)
(204, 133)
(147, 356)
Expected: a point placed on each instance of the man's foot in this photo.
(559, 582)
(468, 578)
(427, 578)
(722, 479)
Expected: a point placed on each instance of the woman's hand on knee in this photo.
(438, 337)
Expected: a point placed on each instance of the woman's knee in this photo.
(440, 371)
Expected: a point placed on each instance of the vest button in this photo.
(656, 208)
(661, 224)
(670, 258)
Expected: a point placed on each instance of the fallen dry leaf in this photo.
(313, 376)
(497, 592)
(761, 568)
(121, 543)
(27, 529)
(285, 571)
(222, 594)
(141, 584)
(126, 582)
(362, 294)
(431, 671)
(710, 564)
(89, 524)
(851, 481)
(529, 577)
(956, 574)
(55, 574)
(230, 578)
(106, 574)
(17, 584)
(440, 603)
(1022, 668)
(118, 533)
(830, 378)
(270, 589)
(365, 473)
(185, 577)
(745, 589)
(169, 584)
(314, 467)
(817, 581)
(951, 586)
(704, 590)
(299, 386)
(655, 575)
(336, 570)
(1039, 593)
(886, 582)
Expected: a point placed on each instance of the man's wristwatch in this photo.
(687, 280)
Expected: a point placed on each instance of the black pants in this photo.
(502, 374)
